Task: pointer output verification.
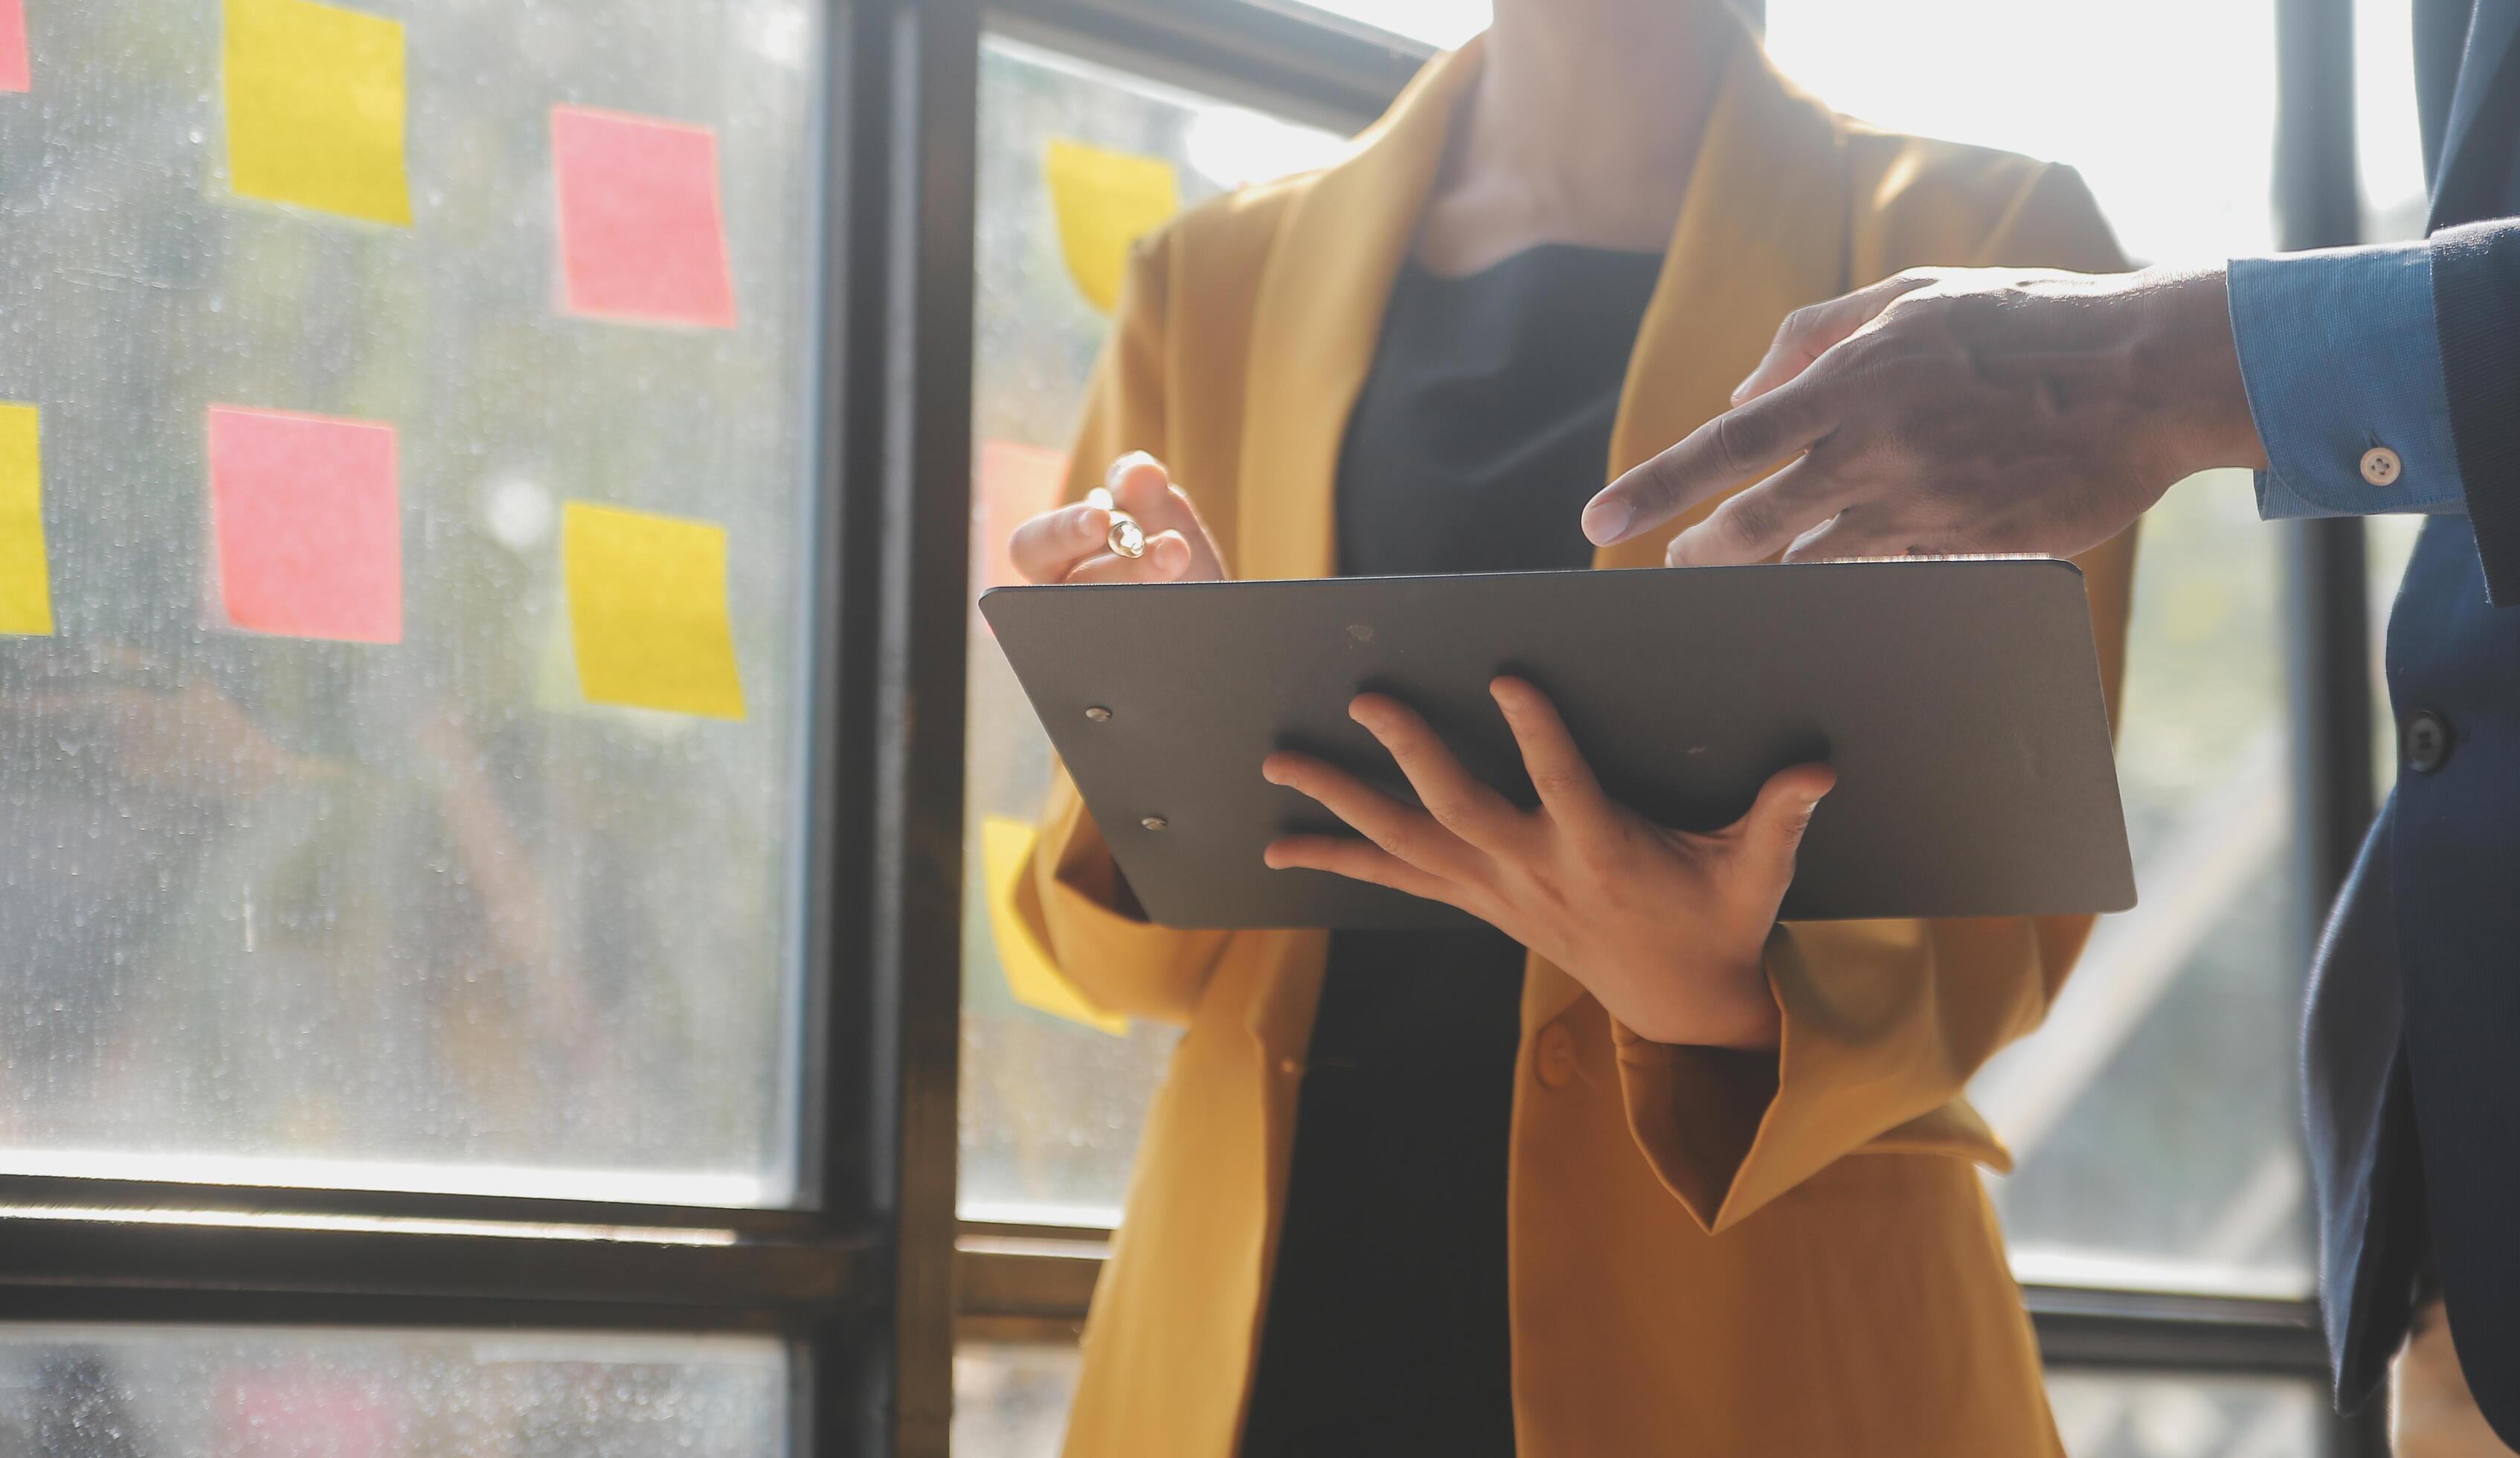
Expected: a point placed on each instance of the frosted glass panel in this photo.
(283, 907)
(2181, 158)
(177, 1392)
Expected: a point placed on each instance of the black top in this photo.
(1481, 432)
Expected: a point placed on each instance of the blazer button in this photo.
(1554, 1059)
(2426, 743)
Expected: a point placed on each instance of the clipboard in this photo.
(1959, 700)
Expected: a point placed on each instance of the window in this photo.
(415, 914)
(445, 770)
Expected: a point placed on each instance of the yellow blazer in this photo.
(1696, 1266)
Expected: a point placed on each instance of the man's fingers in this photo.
(1558, 770)
(1403, 831)
(1811, 332)
(1715, 457)
(1870, 531)
(1773, 832)
(1760, 521)
(1166, 558)
(1451, 794)
(1047, 548)
(1357, 860)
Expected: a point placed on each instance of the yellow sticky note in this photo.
(647, 611)
(25, 577)
(315, 105)
(1006, 847)
(1105, 201)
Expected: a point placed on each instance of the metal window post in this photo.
(2318, 204)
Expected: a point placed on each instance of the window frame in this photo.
(1033, 1283)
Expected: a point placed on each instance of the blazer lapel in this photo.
(1762, 232)
(2490, 33)
(1319, 317)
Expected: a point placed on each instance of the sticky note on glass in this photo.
(1006, 851)
(14, 70)
(315, 109)
(1105, 201)
(647, 611)
(25, 574)
(308, 514)
(641, 237)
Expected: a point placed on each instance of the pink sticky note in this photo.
(641, 235)
(309, 521)
(13, 46)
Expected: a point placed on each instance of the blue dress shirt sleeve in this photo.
(2339, 354)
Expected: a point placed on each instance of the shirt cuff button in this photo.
(2381, 466)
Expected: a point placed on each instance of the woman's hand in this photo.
(1070, 544)
(1665, 927)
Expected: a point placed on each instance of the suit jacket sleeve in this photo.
(1070, 896)
(2476, 310)
(1884, 1022)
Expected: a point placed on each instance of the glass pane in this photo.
(1051, 1107)
(2155, 1118)
(2130, 1415)
(410, 913)
(1011, 1399)
(208, 1393)
(2390, 150)
(2181, 163)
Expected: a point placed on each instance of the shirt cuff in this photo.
(2340, 357)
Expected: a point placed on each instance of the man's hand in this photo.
(1948, 411)
(1665, 927)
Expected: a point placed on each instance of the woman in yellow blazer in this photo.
(1712, 1250)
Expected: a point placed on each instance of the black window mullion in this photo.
(898, 482)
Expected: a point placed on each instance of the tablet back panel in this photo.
(1959, 701)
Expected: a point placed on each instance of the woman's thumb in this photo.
(1774, 829)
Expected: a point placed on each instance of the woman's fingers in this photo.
(1357, 860)
(1140, 486)
(1166, 558)
(1451, 794)
(1050, 546)
(1558, 770)
(1411, 835)
(1772, 833)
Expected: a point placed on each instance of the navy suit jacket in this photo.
(2412, 1044)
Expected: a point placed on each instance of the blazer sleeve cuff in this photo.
(1867, 1060)
(1114, 958)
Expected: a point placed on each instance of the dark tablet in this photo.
(1959, 701)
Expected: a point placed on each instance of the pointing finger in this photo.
(1760, 521)
(1718, 455)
